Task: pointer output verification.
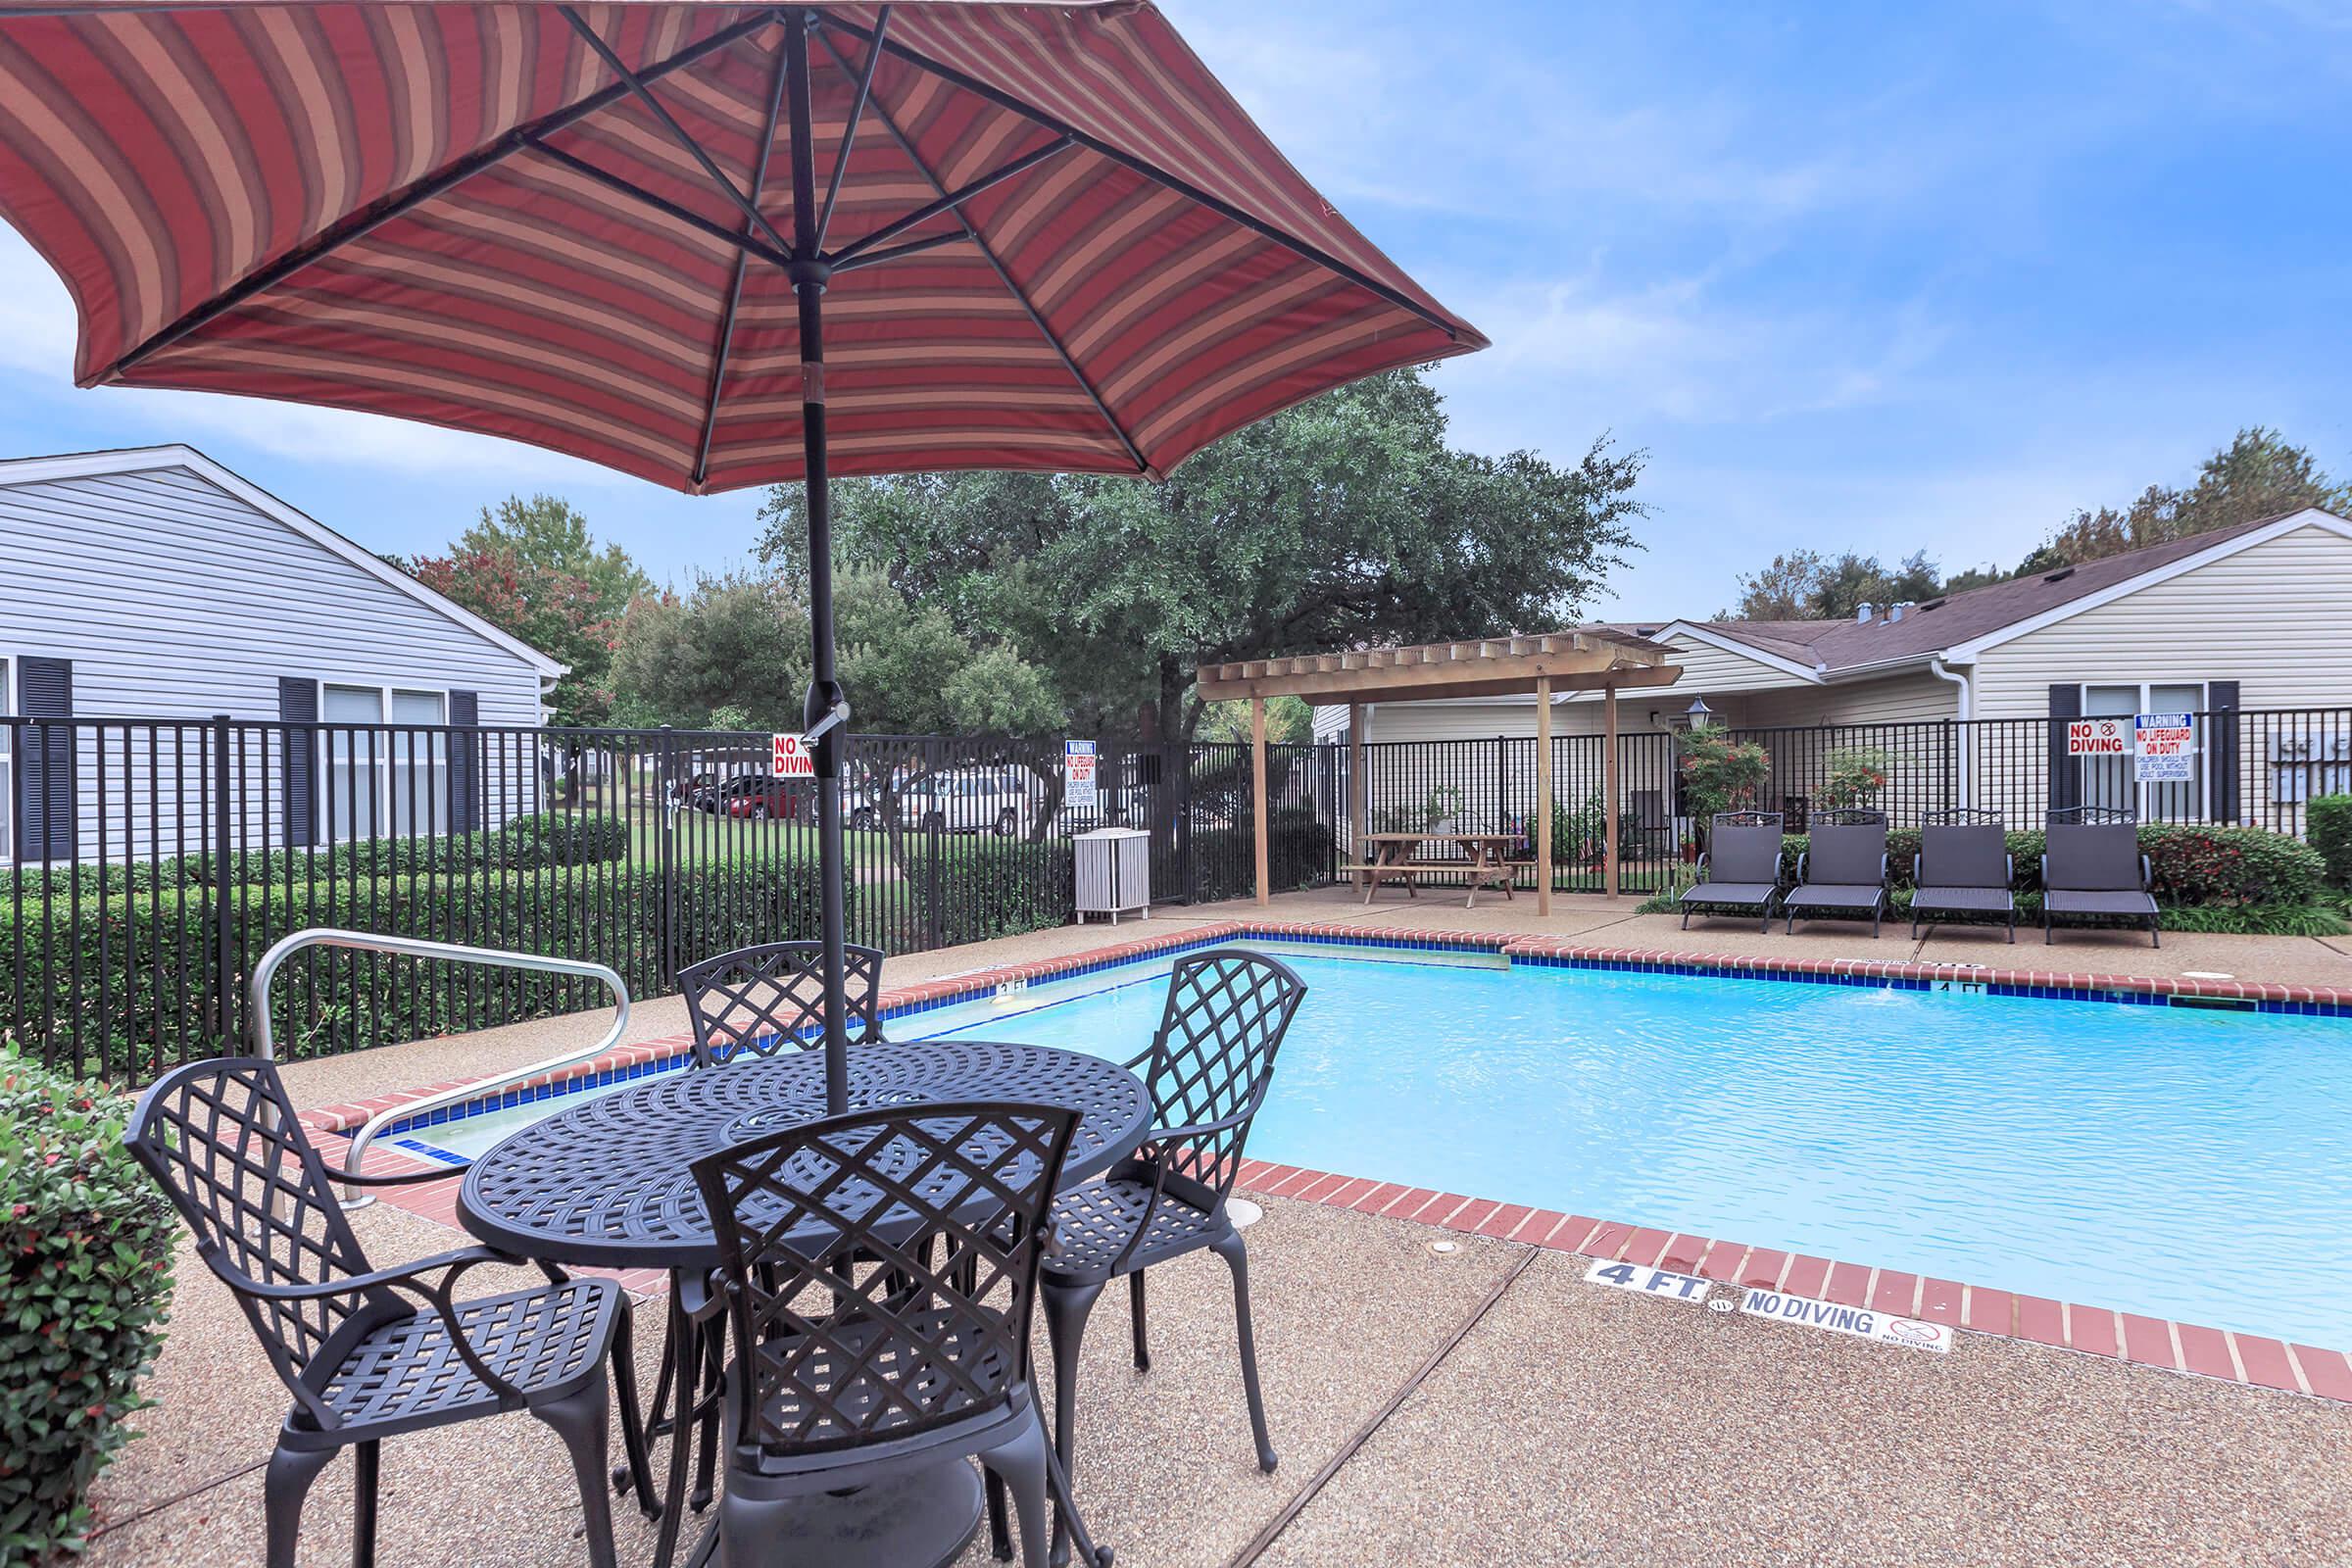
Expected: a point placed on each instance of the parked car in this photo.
(755, 796)
(973, 800)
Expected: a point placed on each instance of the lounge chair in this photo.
(1963, 867)
(1842, 873)
(1742, 867)
(2092, 868)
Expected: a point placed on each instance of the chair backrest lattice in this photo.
(880, 1268)
(767, 1000)
(222, 1139)
(1226, 1015)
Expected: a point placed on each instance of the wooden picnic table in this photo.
(1405, 857)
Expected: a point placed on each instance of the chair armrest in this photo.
(2045, 873)
(1885, 867)
(1915, 865)
(408, 1278)
(1800, 868)
(2147, 877)
(1701, 864)
(1137, 1060)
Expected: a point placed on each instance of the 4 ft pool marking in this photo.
(1861, 1322)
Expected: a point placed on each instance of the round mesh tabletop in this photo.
(606, 1182)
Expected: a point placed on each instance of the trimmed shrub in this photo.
(2328, 820)
(1299, 855)
(560, 838)
(978, 888)
(118, 984)
(88, 1242)
(2209, 865)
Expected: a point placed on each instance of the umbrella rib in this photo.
(951, 201)
(915, 247)
(1157, 175)
(744, 244)
(996, 263)
(726, 325)
(357, 225)
(848, 133)
(670, 122)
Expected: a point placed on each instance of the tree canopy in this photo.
(1344, 522)
(2258, 474)
(732, 653)
(531, 569)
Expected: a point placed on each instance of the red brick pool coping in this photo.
(2243, 1358)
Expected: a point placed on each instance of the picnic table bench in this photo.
(1485, 858)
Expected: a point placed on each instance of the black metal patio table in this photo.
(605, 1184)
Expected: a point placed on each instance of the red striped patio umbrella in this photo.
(710, 245)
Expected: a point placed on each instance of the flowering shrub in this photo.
(1855, 775)
(1720, 774)
(88, 1242)
(2206, 866)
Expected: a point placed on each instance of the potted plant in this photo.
(1719, 773)
(1854, 777)
(1443, 807)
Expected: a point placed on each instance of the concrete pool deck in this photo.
(1570, 1423)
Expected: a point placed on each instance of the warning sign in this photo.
(1078, 774)
(2165, 748)
(793, 756)
(2098, 737)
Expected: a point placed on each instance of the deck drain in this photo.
(1442, 1247)
(1243, 1213)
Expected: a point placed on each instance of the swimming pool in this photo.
(2168, 1160)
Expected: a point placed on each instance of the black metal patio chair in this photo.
(1741, 868)
(2091, 869)
(371, 1353)
(1963, 868)
(879, 1272)
(1841, 875)
(1209, 1068)
(769, 999)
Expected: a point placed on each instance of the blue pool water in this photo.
(2169, 1161)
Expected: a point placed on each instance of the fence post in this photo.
(1179, 765)
(665, 849)
(225, 977)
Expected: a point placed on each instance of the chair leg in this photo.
(1066, 1309)
(1000, 1537)
(1135, 1306)
(366, 1462)
(1229, 1246)
(1019, 1466)
(706, 1473)
(2155, 938)
(637, 1465)
(580, 1420)
(286, 1483)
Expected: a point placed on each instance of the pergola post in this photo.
(1356, 786)
(1542, 795)
(1609, 780)
(1257, 790)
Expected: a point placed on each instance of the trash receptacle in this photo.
(1114, 872)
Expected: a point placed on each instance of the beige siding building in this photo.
(2253, 620)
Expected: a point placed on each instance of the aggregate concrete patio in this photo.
(1569, 1424)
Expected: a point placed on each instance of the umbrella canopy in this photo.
(710, 245)
(1055, 241)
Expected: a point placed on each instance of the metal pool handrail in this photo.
(265, 1044)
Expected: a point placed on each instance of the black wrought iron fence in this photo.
(145, 864)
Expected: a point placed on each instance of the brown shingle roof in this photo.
(1937, 625)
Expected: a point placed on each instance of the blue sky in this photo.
(1856, 276)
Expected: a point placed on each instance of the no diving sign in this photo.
(791, 757)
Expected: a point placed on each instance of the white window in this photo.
(383, 775)
(2110, 781)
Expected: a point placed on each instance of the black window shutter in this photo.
(45, 816)
(2066, 774)
(2220, 749)
(465, 713)
(298, 760)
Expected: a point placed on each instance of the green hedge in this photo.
(138, 1003)
(979, 888)
(541, 841)
(2329, 822)
(88, 1240)
(1299, 855)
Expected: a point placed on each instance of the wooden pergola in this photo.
(1493, 666)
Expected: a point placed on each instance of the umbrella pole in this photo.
(826, 705)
